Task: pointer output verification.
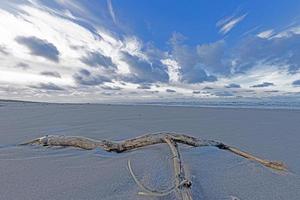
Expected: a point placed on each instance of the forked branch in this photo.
(145, 140)
(182, 185)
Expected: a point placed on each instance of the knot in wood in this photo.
(222, 146)
(187, 184)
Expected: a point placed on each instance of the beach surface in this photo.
(35, 172)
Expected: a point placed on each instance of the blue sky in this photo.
(110, 50)
(156, 20)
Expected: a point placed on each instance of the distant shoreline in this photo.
(203, 104)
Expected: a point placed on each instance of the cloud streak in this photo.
(233, 85)
(266, 34)
(51, 74)
(40, 47)
(96, 59)
(3, 50)
(228, 24)
(296, 83)
(264, 84)
(47, 86)
(111, 11)
(86, 78)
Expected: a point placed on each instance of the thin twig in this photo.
(147, 191)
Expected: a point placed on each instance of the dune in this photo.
(35, 172)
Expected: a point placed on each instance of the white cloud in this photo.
(73, 41)
(227, 24)
(173, 70)
(111, 11)
(294, 30)
(86, 49)
(260, 73)
(266, 34)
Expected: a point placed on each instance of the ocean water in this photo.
(292, 103)
(232, 103)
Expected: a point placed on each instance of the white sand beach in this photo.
(35, 172)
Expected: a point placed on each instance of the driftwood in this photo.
(183, 190)
(182, 185)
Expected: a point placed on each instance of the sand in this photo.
(33, 172)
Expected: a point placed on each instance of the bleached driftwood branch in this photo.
(183, 190)
(182, 185)
(126, 145)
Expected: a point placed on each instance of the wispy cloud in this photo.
(288, 32)
(40, 47)
(264, 84)
(296, 83)
(47, 86)
(111, 11)
(266, 34)
(229, 23)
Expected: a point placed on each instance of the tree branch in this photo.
(182, 185)
(183, 190)
(146, 140)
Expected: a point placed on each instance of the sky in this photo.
(135, 50)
